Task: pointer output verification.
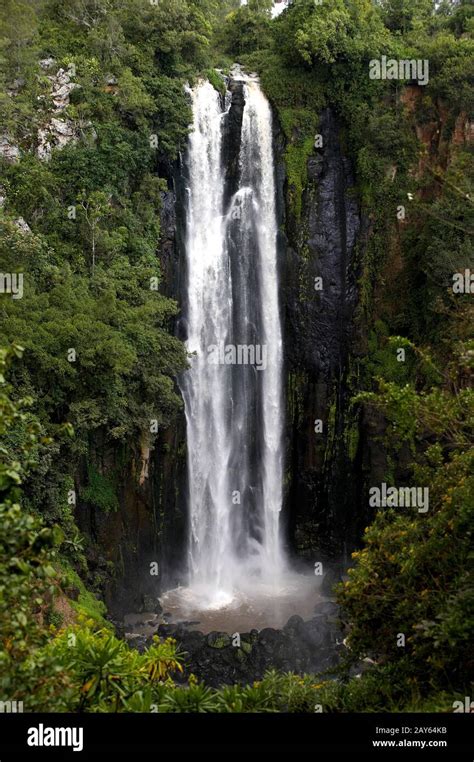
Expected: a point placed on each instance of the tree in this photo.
(18, 65)
(87, 13)
(247, 29)
(401, 15)
(18, 30)
(94, 208)
(27, 555)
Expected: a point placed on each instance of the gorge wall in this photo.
(321, 491)
(332, 451)
(320, 483)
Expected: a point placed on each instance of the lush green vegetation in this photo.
(90, 285)
(82, 666)
(411, 576)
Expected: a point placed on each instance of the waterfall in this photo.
(258, 172)
(233, 388)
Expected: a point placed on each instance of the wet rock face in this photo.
(219, 658)
(232, 138)
(333, 223)
(320, 297)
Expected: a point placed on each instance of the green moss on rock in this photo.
(218, 640)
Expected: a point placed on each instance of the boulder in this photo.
(327, 607)
(218, 640)
(8, 150)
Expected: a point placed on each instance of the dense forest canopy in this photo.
(95, 113)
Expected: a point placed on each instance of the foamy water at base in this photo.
(243, 610)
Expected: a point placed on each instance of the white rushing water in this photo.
(233, 389)
(258, 166)
(206, 387)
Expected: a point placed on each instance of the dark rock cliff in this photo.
(319, 297)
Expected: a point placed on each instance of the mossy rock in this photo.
(218, 640)
(246, 647)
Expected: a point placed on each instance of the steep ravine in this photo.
(318, 329)
(320, 485)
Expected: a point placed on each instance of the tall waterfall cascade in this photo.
(233, 389)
